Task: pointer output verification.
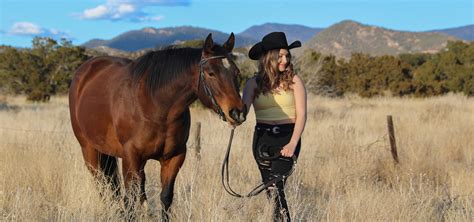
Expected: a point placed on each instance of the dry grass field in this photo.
(345, 171)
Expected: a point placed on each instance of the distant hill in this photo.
(156, 38)
(93, 43)
(346, 37)
(107, 51)
(463, 32)
(293, 32)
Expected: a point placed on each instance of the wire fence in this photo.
(194, 144)
(36, 131)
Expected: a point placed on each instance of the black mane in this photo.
(163, 66)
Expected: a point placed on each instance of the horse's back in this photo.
(93, 68)
(91, 98)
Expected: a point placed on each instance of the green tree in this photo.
(358, 69)
(451, 70)
(45, 69)
(332, 80)
(12, 75)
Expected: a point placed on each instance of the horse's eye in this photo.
(211, 74)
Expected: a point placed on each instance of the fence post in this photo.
(197, 140)
(391, 134)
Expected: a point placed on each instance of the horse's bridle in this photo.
(208, 90)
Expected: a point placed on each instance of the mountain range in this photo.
(340, 39)
(344, 38)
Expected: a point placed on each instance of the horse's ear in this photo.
(229, 45)
(208, 44)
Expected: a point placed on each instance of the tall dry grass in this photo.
(345, 171)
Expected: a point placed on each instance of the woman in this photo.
(279, 100)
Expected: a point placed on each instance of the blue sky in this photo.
(82, 20)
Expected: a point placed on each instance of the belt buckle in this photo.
(276, 130)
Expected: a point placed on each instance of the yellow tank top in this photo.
(275, 106)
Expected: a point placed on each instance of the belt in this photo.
(275, 129)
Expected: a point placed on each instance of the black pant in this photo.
(268, 141)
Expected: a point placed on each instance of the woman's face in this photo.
(283, 59)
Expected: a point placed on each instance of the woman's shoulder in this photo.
(297, 79)
(298, 84)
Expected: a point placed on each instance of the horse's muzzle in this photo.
(237, 115)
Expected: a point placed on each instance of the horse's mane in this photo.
(164, 66)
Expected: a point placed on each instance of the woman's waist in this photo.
(277, 122)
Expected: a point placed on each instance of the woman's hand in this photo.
(288, 150)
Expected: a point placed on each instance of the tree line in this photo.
(418, 74)
(48, 66)
(44, 70)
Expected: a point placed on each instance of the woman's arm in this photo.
(300, 106)
(249, 90)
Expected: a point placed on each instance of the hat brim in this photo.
(295, 44)
(257, 50)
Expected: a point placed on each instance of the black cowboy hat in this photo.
(274, 40)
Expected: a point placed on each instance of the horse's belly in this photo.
(98, 130)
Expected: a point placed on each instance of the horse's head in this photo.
(218, 86)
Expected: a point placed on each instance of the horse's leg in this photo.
(131, 167)
(91, 157)
(169, 171)
(143, 198)
(108, 165)
(101, 167)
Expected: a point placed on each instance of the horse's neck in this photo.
(175, 100)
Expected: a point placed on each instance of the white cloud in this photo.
(123, 10)
(25, 28)
(31, 29)
(157, 18)
(54, 31)
(152, 18)
(126, 8)
(131, 10)
(96, 12)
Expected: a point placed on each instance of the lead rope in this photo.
(256, 190)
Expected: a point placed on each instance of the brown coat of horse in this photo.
(139, 110)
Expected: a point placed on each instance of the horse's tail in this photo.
(109, 167)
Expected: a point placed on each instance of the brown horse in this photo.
(139, 110)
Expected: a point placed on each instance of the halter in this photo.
(208, 90)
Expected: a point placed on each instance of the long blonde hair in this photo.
(269, 77)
